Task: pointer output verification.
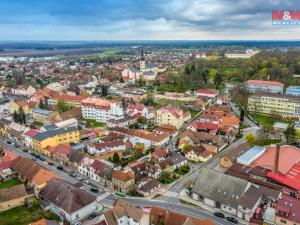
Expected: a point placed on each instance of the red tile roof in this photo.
(274, 83)
(123, 176)
(288, 208)
(32, 132)
(289, 156)
(291, 179)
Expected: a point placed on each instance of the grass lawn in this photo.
(10, 183)
(193, 113)
(23, 216)
(266, 142)
(93, 123)
(38, 124)
(268, 121)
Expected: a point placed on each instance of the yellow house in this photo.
(16, 105)
(170, 116)
(275, 104)
(53, 138)
(198, 154)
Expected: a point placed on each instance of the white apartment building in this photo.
(101, 110)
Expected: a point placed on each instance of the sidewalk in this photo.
(185, 197)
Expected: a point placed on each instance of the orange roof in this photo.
(21, 103)
(39, 222)
(288, 157)
(69, 97)
(122, 175)
(43, 176)
(230, 120)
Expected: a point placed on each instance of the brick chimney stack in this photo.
(276, 159)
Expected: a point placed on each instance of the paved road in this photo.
(246, 119)
(107, 199)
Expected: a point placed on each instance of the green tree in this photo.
(16, 117)
(142, 119)
(290, 134)
(62, 106)
(22, 116)
(250, 138)
(41, 104)
(242, 115)
(185, 148)
(116, 158)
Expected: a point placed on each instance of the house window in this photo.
(282, 221)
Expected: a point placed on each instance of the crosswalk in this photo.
(171, 194)
(101, 197)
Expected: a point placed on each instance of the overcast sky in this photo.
(143, 19)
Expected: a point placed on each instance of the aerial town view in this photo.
(153, 112)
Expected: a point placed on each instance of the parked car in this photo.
(95, 190)
(79, 178)
(92, 216)
(50, 163)
(41, 158)
(86, 181)
(34, 159)
(60, 168)
(8, 142)
(25, 150)
(231, 219)
(219, 214)
(72, 174)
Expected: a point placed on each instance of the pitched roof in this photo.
(54, 132)
(66, 196)
(288, 157)
(32, 171)
(219, 187)
(61, 149)
(14, 192)
(234, 151)
(122, 175)
(123, 208)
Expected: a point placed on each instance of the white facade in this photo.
(77, 215)
(117, 147)
(113, 110)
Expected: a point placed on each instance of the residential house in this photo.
(164, 216)
(233, 152)
(15, 131)
(70, 114)
(218, 190)
(28, 136)
(42, 115)
(148, 187)
(67, 201)
(98, 148)
(287, 210)
(198, 154)
(52, 138)
(32, 173)
(70, 100)
(12, 197)
(170, 116)
(60, 153)
(99, 171)
(4, 124)
(123, 181)
(16, 105)
(137, 110)
(6, 158)
(123, 213)
(101, 110)
(23, 90)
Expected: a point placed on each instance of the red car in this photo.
(50, 163)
